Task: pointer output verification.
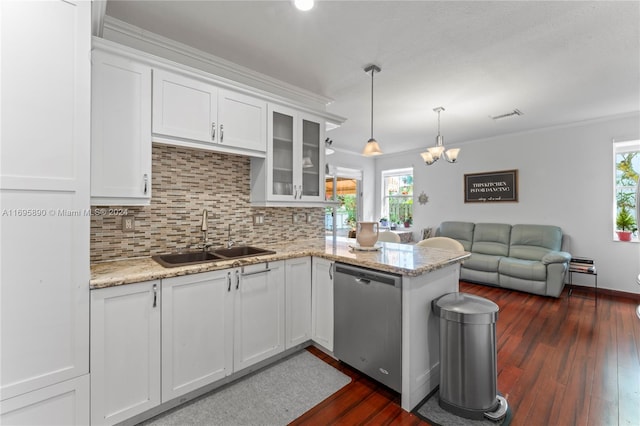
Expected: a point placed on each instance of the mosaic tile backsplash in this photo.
(184, 182)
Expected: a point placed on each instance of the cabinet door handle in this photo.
(213, 131)
(221, 133)
(237, 279)
(155, 295)
(300, 193)
(331, 270)
(146, 183)
(228, 281)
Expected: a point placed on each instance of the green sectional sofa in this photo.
(520, 257)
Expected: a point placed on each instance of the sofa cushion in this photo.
(482, 262)
(524, 269)
(461, 231)
(533, 242)
(491, 238)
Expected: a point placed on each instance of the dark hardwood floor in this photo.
(561, 362)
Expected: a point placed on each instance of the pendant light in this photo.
(433, 154)
(372, 148)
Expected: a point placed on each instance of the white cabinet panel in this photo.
(65, 403)
(197, 331)
(259, 314)
(243, 121)
(184, 107)
(44, 54)
(322, 297)
(121, 131)
(298, 301)
(125, 351)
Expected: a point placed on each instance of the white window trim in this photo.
(390, 173)
(621, 147)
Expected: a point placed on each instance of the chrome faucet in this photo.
(204, 228)
(230, 242)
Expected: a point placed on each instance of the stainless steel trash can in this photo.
(468, 360)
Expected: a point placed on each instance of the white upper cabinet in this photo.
(243, 121)
(293, 171)
(121, 131)
(196, 113)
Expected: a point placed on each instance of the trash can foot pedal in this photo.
(499, 412)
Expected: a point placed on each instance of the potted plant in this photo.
(407, 221)
(384, 222)
(625, 224)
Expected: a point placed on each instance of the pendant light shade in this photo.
(433, 154)
(372, 148)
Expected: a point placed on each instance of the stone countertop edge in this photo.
(402, 259)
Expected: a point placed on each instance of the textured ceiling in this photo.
(557, 62)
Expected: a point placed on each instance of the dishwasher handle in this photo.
(366, 276)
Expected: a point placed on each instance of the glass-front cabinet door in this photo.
(295, 156)
(312, 160)
(282, 139)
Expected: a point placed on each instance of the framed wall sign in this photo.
(491, 187)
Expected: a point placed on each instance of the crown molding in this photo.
(245, 75)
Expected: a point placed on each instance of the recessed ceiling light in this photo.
(303, 4)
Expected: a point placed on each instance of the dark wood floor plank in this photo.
(561, 361)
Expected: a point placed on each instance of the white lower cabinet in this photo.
(125, 351)
(65, 403)
(298, 301)
(216, 323)
(259, 313)
(197, 331)
(322, 306)
(190, 331)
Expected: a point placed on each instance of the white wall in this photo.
(367, 165)
(565, 179)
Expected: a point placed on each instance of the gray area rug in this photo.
(431, 412)
(274, 396)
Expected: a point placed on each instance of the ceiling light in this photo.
(303, 5)
(306, 161)
(433, 154)
(372, 148)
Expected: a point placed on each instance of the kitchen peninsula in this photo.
(427, 273)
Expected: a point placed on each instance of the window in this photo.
(397, 196)
(626, 157)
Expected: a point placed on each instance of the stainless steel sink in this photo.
(241, 251)
(189, 258)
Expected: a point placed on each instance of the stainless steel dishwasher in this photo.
(368, 322)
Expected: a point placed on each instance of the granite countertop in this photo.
(403, 259)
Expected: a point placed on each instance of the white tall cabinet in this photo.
(44, 192)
